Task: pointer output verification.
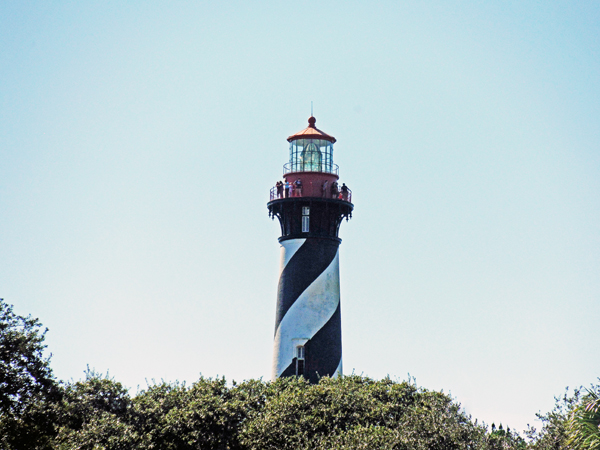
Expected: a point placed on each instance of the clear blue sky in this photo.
(139, 141)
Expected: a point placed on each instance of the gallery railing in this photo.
(310, 190)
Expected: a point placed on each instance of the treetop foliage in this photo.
(583, 426)
(27, 384)
(24, 371)
(349, 412)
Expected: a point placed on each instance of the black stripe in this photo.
(324, 350)
(290, 371)
(309, 261)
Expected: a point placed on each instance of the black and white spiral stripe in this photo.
(308, 308)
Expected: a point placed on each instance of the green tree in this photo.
(361, 438)
(356, 412)
(174, 416)
(27, 386)
(95, 414)
(501, 439)
(98, 413)
(583, 427)
(554, 434)
(208, 414)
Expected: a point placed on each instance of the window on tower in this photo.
(305, 219)
(300, 360)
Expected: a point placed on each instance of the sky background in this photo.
(139, 141)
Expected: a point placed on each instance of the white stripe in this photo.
(339, 371)
(289, 249)
(311, 310)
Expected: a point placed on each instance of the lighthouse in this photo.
(310, 204)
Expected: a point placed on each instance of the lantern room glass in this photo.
(311, 155)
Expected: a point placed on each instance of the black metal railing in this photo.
(307, 167)
(310, 190)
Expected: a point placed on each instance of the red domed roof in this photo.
(311, 132)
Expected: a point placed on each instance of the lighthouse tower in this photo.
(310, 205)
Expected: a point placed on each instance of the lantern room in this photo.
(311, 150)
